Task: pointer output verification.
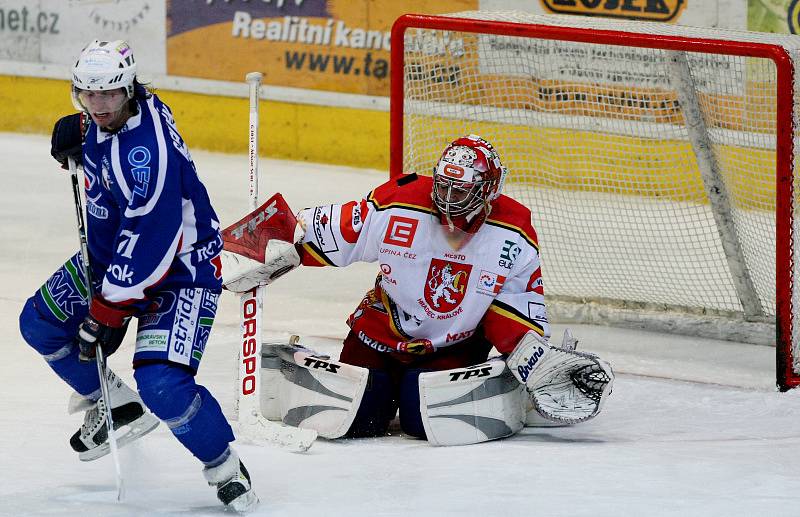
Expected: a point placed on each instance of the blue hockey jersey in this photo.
(150, 224)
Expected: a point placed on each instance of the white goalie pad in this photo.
(310, 391)
(471, 405)
(565, 386)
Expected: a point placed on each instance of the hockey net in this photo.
(658, 160)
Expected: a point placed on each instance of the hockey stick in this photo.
(101, 363)
(252, 424)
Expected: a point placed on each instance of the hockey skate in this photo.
(233, 484)
(131, 420)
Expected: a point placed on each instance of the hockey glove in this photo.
(564, 386)
(104, 326)
(67, 139)
(259, 248)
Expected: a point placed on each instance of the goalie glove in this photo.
(259, 248)
(565, 386)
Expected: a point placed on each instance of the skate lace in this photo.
(95, 417)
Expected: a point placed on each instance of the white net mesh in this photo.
(629, 215)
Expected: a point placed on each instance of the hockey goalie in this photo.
(459, 275)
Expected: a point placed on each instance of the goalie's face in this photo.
(456, 198)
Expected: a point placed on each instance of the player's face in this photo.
(108, 109)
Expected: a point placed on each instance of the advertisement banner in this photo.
(649, 10)
(54, 32)
(332, 45)
(779, 16)
(729, 14)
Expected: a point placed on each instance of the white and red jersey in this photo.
(429, 295)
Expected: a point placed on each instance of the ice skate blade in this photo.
(134, 431)
(245, 503)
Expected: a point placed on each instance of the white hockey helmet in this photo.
(103, 66)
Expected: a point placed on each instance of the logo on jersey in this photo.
(509, 254)
(323, 230)
(60, 293)
(401, 231)
(446, 284)
(490, 283)
(161, 305)
(139, 159)
(95, 210)
(352, 220)
(184, 325)
(416, 347)
(177, 141)
(121, 273)
(535, 283)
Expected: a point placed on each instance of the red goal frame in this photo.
(786, 377)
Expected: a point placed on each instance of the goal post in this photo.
(657, 160)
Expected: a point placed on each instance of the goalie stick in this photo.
(252, 424)
(99, 357)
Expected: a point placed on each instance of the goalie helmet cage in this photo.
(657, 160)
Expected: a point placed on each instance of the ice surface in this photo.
(720, 442)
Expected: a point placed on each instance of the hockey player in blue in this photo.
(154, 246)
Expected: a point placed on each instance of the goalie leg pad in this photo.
(471, 405)
(315, 392)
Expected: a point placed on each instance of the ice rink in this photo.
(666, 444)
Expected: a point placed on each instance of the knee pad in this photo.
(52, 339)
(377, 408)
(169, 391)
(55, 341)
(189, 410)
(410, 417)
(471, 405)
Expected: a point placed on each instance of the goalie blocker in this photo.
(538, 384)
(260, 247)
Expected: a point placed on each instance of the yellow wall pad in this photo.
(322, 134)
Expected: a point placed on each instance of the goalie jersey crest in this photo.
(446, 284)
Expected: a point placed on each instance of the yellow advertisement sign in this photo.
(332, 45)
(649, 10)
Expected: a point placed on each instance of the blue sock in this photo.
(189, 410)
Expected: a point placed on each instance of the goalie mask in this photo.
(468, 177)
(105, 72)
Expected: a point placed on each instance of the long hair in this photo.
(141, 91)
